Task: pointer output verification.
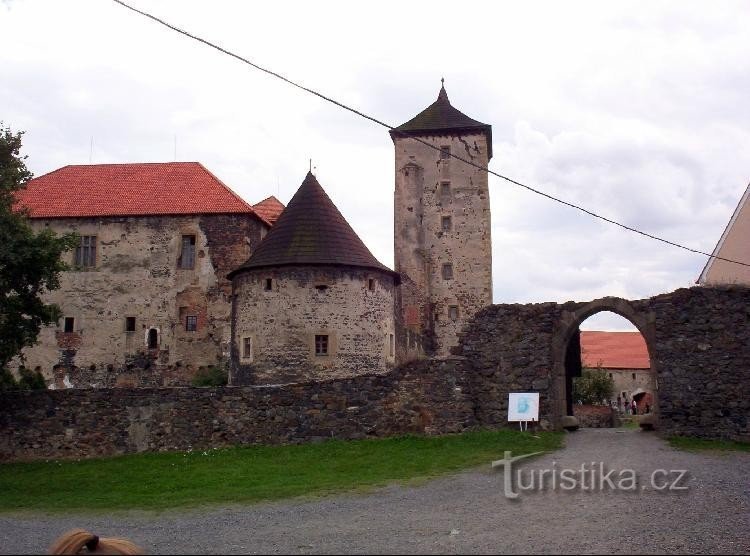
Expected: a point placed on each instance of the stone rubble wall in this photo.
(698, 341)
(419, 399)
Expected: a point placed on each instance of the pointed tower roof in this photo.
(312, 231)
(441, 116)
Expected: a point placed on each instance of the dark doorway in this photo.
(153, 339)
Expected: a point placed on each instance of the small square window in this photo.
(69, 324)
(269, 284)
(447, 271)
(453, 312)
(321, 344)
(633, 376)
(247, 348)
(191, 323)
(129, 324)
(445, 189)
(445, 152)
(371, 285)
(446, 223)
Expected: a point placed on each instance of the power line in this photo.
(430, 145)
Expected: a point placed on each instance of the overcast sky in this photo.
(636, 110)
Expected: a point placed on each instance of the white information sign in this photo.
(523, 406)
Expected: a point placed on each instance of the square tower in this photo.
(442, 242)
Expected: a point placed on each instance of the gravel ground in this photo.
(465, 513)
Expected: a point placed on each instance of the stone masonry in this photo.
(698, 340)
(442, 243)
(352, 307)
(138, 275)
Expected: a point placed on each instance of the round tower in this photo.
(312, 302)
(442, 239)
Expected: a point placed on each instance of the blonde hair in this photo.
(75, 541)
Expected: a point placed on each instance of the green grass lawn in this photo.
(251, 474)
(701, 444)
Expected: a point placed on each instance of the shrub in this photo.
(212, 375)
(7, 380)
(593, 387)
(30, 380)
(27, 380)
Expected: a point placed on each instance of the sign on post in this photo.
(523, 407)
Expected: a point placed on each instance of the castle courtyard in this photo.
(462, 513)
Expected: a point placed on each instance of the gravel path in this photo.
(463, 513)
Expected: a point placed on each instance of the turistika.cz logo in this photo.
(592, 477)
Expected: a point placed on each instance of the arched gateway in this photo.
(698, 342)
(566, 345)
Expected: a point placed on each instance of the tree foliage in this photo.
(30, 263)
(593, 387)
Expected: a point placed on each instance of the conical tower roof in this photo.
(312, 231)
(441, 116)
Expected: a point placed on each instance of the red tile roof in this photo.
(614, 350)
(130, 190)
(270, 209)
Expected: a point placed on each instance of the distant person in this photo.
(79, 541)
(648, 408)
(635, 407)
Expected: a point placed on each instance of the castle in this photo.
(175, 272)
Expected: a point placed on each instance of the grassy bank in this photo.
(251, 474)
(701, 444)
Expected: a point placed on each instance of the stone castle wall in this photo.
(353, 307)
(424, 244)
(87, 423)
(698, 339)
(137, 274)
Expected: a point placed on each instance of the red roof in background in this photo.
(614, 350)
(129, 190)
(270, 209)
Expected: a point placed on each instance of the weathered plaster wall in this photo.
(628, 381)
(422, 246)
(85, 423)
(734, 245)
(307, 301)
(137, 275)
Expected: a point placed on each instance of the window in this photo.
(321, 344)
(392, 345)
(321, 287)
(371, 285)
(445, 189)
(447, 271)
(69, 324)
(445, 152)
(129, 324)
(446, 223)
(633, 376)
(247, 348)
(86, 252)
(269, 284)
(187, 256)
(153, 338)
(453, 312)
(191, 323)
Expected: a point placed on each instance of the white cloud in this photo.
(637, 111)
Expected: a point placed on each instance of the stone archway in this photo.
(565, 331)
